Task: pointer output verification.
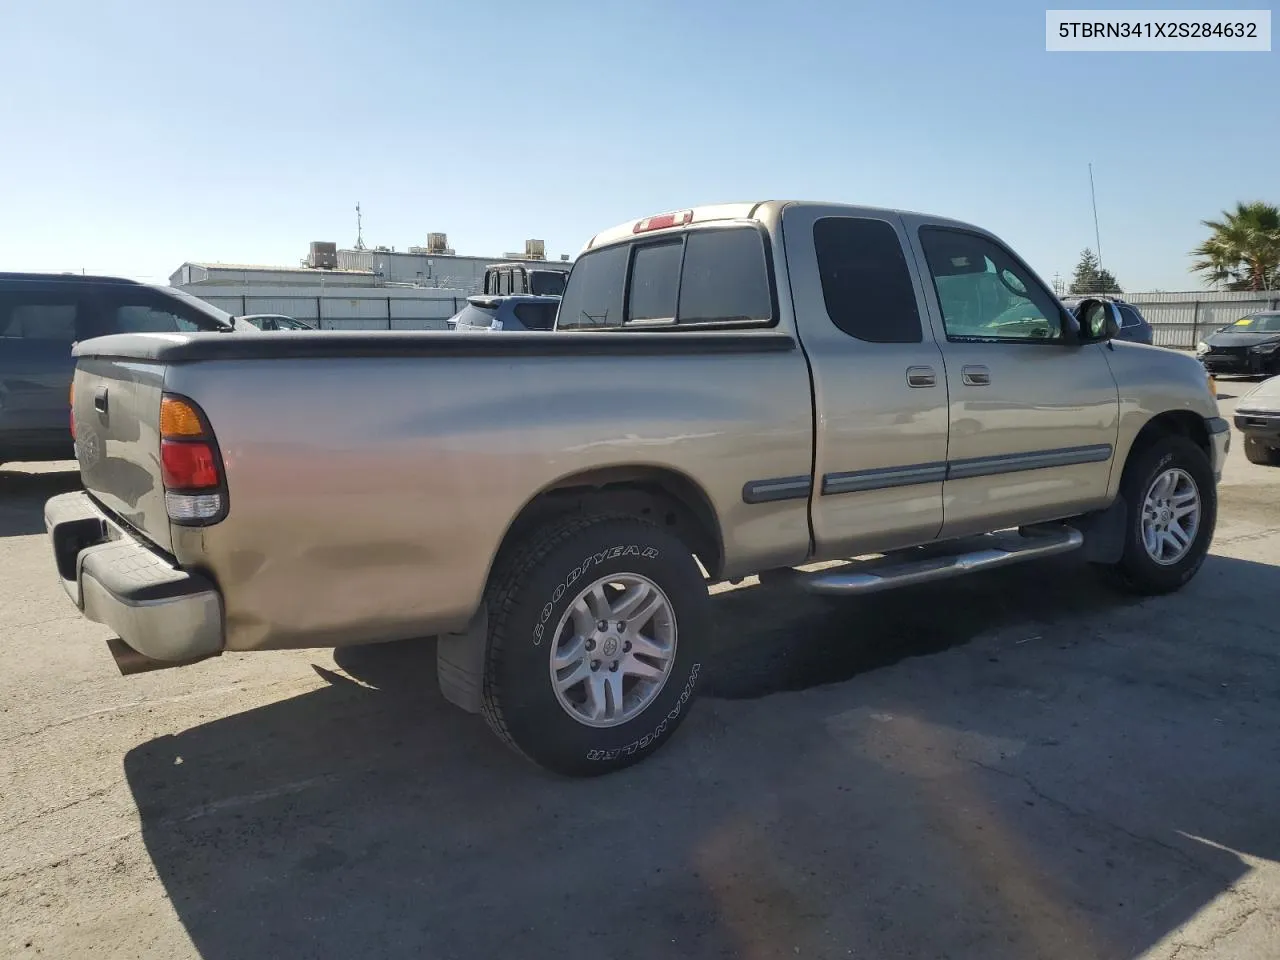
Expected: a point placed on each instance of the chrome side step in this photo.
(925, 564)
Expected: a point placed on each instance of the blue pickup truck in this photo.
(42, 316)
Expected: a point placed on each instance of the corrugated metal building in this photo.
(432, 269)
(246, 274)
(1181, 319)
(378, 289)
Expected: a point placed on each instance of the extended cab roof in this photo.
(744, 210)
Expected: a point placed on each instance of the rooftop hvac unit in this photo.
(535, 250)
(324, 255)
(437, 243)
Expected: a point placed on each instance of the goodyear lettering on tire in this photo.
(595, 559)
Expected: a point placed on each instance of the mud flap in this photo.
(460, 663)
(1104, 532)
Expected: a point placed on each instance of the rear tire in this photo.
(1256, 451)
(545, 608)
(1158, 485)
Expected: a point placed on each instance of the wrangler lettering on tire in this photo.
(617, 613)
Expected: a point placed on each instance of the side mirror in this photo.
(1099, 321)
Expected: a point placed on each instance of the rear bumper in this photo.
(167, 615)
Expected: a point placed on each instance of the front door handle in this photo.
(975, 375)
(921, 377)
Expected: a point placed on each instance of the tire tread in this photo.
(500, 600)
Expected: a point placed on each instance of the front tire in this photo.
(598, 628)
(1171, 510)
(1256, 451)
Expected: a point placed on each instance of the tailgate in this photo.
(117, 413)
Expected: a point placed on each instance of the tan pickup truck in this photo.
(759, 386)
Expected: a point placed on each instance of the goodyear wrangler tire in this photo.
(1172, 503)
(597, 631)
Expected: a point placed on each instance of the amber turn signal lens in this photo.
(179, 419)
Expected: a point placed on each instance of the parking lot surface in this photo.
(1021, 764)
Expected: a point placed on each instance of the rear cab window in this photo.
(707, 276)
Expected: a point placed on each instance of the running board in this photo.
(969, 555)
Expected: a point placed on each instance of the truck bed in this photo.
(371, 477)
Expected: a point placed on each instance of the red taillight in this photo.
(188, 465)
(664, 220)
(71, 402)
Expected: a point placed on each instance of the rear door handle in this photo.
(100, 399)
(921, 377)
(975, 375)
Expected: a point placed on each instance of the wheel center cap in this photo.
(610, 646)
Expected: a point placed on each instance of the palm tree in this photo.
(1243, 249)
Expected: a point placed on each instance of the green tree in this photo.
(1243, 249)
(1091, 278)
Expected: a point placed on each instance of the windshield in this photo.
(1256, 323)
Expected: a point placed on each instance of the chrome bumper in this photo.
(167, 615)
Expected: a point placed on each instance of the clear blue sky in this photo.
(138, 135)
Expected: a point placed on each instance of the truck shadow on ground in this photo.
(1068, 776)
(22, 497)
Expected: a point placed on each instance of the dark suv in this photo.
(42, 316)
(1133, 325)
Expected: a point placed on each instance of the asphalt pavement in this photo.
(1021, 764)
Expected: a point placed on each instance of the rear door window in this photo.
(866, 283)
(41, 318)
